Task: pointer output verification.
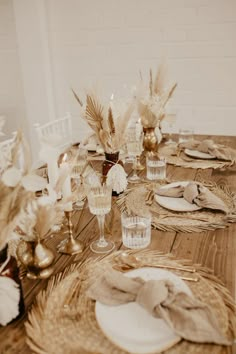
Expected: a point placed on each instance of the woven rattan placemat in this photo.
(173, 157)
(139, 200)
(62, 320)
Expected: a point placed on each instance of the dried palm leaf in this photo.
(77, 97)
(12, 202)
(150, 83)
(159, 83)
(140, 75)
(169, 94)
(46, 217)
(26, 155)
(106, 125)
(105, 140)
(94, 112)
(122, 124)
(16, 147)
(111, 121)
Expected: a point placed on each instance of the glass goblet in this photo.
(78, 168)
(77, 177)
(170, 119)
(134, 147)
(99, 202)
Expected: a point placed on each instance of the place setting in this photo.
(96, 308)
(185, 206)
(192, 153)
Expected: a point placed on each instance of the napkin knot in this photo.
(195, 193)
(154, 293)
(187, 316)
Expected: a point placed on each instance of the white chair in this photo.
(5, 151)
(57, 133)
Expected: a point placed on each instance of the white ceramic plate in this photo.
(176, 204)
(131, 327)
(91, 147)
(198, 154)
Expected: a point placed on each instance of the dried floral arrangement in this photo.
(16, 188)
(151, 101)
(18, 202)
(108, 123)
(26, 220)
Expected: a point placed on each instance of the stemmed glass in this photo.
(170, 119)
(77, 170)
(134, 145)
(99, 202)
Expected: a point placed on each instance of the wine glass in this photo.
(134, 147)
(99, 202)
(170, 119)
(76, 176)
(139, 137)
(78, 168)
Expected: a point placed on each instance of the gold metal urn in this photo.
(36, 258)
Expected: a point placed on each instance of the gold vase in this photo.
(36, 258)
(150, 142)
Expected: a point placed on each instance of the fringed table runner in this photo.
(139, 200)
(62, 320)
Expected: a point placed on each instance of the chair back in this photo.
(57, 132)
(5, 152)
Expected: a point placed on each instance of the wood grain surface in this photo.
(213, 249)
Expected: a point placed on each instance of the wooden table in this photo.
(213, 249)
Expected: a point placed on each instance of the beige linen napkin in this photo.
(195, 193)
(189, 318)
(218, 151)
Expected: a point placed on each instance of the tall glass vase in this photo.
(150, 142)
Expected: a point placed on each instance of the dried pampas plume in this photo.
(12, 202)
(108, 126)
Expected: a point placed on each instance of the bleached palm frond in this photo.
(160, 80)
(77, 97)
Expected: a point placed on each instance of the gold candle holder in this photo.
(139, 166)
(70, 246)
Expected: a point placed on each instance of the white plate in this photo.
(131, 327)
(91, 147)
(198, 154)
(176, 204)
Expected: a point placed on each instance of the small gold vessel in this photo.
(36, 258)
(150, 142)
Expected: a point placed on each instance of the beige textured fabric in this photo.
(195, 193)
(220, 152)
(187, 316)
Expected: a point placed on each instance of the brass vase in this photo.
(150, 142)
(36, 258)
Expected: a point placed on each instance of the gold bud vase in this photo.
(150, 142)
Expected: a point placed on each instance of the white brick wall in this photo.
(12, 104)
(110, 40)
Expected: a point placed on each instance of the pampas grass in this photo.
(12, 202)
(108, 124)
(151, 106)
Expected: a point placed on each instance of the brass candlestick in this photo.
(139, 166)
(70, 246)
